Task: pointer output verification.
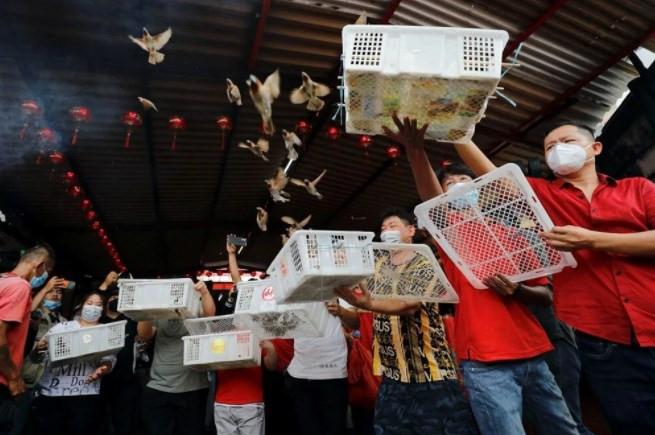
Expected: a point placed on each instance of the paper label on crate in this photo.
(218, 346)
(243, 345)
(86, 338)
(267, 294)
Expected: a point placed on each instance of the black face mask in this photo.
(113, 305)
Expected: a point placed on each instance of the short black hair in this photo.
(456, 168)
(401, 214)
(583, 128)
(42, 250)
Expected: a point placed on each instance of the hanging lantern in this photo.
(90, 215)
(176, 123)
(303, 127)
(109, 246)
(95, 225)
(46, 138)
(224, 125)
(123, 268)
(393, 152)
(333, 133)
(30, 109)
(86, 204)
(253, 273)
(208, 273)
(219, 272)
(56, 158)
(365, 143)
(199, 274)
(79, 114)
(75, 191)
(131, 119)
(103, 235)
(445, 163)
(70, 177)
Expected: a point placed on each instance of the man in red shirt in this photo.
(15, 303)
(609, 299)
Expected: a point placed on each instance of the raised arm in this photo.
(206, 300)
(53, 283)
(474, 158)
(232, 263)
(146, 330)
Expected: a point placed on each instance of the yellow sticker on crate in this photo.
(218, 346)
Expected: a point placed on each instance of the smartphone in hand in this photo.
(237, 241)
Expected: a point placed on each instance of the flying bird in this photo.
(291, 139)
(310, 185)
(233, 93)
(276, 186)
(259, 149)
(147, 104)
(295, 225)
(309, 92)
(263, 96)
(285, 239)
(262, 218)
(152, 44)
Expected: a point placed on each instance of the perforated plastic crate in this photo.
(219, 342)
(145, 299)
(410, 272)
(491, 226)
(87, 343)
(439, 75)
(312, 263)
(257, 310)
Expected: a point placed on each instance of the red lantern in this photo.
(393, 151)
(75, 191)
(95, 225)
(46, 138)
(123, 268)
(219, 272)
(187, 275)
(79, 114)
(176, 123)
(303, 128)
(224, 125)
(131, 119)
(109, 246)
(365, 143)
(91, 215)
(56, 158)
(445, 163)
(30, 109)
(333, 133)
(69, 177)
(86, 204)
(253, 273)
(103, 238)
(199, 274)
(208, 273)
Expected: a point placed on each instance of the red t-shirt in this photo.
(284, 351)
(239, 386)
(15, 304)
(366, 329)
(607, 295)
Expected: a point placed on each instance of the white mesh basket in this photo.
(146, 299)
(312, 263)
(439, 75)
(213, 325)
(491, 226)
(229, 350)
(257, 310)
(87, 343)
(411, 272)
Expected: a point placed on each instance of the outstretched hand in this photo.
(408, 134)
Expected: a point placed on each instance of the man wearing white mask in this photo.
(419, 391)
(609, 299)
(15, 303)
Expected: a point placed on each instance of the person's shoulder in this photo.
(641, 182)
(14, 286)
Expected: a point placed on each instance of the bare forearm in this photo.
(270, 360)
(7, 367)
(145, 330)
(474, 158)
(38, 298)
(394, 307)
(539, 296)
(208, 306)
(233, 265)
(426, 180)
(640, 244)
(349, 318)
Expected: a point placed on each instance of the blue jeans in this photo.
(622, 378)
(498, 391)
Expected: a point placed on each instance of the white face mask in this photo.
(91, 313)
(463, 201)
(390, 237)
(567, 158)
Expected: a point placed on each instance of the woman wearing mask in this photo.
(69, 395)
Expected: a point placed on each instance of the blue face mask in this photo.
(467, 201)
(38, 281)
(52, 305)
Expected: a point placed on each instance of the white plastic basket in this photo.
(87, 343)
(229, 350)
(439, 75)
(146, 299)
(257, 310)
(410, 272)
(496, 233)
(312, 263)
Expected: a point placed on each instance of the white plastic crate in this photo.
(498, 232)
(87, 343)
(439, 75)
(257, 310)
(312, 263)
(149, 299)
(410, 272)
(219, 342)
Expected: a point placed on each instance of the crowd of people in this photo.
(513, 359)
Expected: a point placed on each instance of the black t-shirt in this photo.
(124, 368)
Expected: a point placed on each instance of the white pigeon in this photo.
(309, 92)
(291, 140)
(295, 225)
(152, 44)
(310, 185)
(262, 218)
(147, 104)
(263, 95)
(259, 149)
(233, 93)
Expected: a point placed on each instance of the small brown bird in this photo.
(147, 104)
(310, 91)
(310, 185)
(233, 93)
(295, 225)
(276, 186)
(262, 218)
(291, 139)
(152, 44)
(259, 149)
(263, 96)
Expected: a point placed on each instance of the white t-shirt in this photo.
(69, 379)
(321, 358)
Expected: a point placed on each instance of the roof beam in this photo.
(391, 9)
(261, 27)
(533, 27)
